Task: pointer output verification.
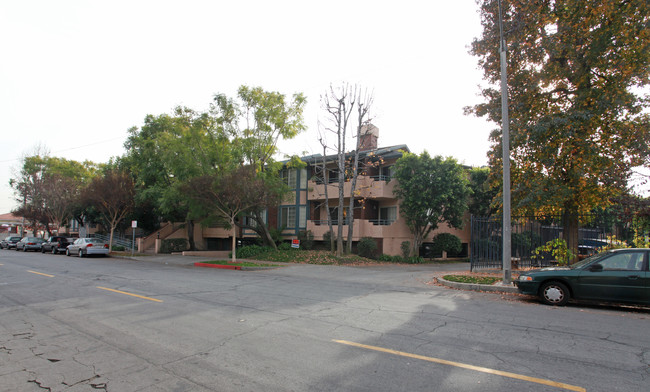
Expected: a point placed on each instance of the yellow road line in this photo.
(466, 366)
(132, 295)
(40, 273)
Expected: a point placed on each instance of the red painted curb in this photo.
(222, 266)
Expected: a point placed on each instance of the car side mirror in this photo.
(596, 268)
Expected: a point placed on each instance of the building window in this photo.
(386, 173)
(334, 215)
(303, 179)
(292, 176)
(288, 217)
(387, 215)
(249, 220)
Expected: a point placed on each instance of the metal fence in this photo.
(527, 234)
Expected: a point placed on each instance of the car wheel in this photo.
(42, 250)
(54, 250)
(67, 252)
(81, 253)
(554, 293)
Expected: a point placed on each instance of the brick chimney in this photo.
(369, 135)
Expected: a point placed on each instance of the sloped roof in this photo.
(384, 152)
(9, 217)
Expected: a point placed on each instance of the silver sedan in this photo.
(86, 247)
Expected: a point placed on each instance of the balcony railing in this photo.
(325, 222)
(382, 222)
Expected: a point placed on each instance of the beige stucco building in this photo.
(376, 210)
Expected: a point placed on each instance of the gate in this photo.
(528, 233)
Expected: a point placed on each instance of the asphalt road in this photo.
(159, 324)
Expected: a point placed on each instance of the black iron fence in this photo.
(528, 233)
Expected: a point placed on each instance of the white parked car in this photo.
(86, 247)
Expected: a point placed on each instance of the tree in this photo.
(483, 195)
(256, 120)
(576, 72)
(431, 191)
(112, 194)
(227, 196)
(339, 105)
(47, 188)
(168, 152)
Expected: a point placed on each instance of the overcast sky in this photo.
(76, 75)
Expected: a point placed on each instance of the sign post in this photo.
(134, 225)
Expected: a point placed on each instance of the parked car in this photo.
(619, 275)
(87, 246)
(29, 243)
(10, 242)
(55, 244)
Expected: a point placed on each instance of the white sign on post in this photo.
(134, 224)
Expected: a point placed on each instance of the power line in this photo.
(68, 149)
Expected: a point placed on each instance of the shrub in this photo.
(276, 234)
(246, 252)
(118, 248)
(284, 246)
(557, 248)
(390, 259)
(367, 247)
(328, 235)
(414, 260)
(306, 238)
(173, 245)
(406, 249)
(446, 242)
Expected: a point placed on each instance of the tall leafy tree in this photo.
(483, 195)
(431, 191)
(168, 151)
(579, 123)
(256, 120)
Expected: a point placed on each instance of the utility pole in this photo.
(505, 143)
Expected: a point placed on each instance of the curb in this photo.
(478, 287)
(222, 266)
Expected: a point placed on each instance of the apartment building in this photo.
(314, 191)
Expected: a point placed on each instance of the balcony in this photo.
(362, 228)
(375, 187)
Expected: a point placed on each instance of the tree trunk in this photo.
(327, 201)
(110, 240)
(263, 232)
(570, 230)
(234, 241)
(340, 217)
(190, 233)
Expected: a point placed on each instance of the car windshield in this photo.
(588, 260)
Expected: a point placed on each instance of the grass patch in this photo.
(472, 279)
(241, 264)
